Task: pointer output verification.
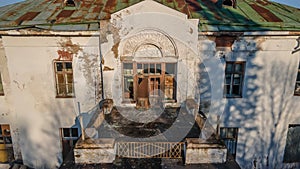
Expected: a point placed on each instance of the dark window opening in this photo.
(70, 3)
(230, 136)
(1, 87)
(297, 84)
(69, 137)
(231, 3)
(292, 147)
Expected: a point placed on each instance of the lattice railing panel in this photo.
(149, 149)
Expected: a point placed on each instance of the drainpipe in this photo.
(81, 122)
(101, 57)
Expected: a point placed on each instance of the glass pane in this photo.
(158, 68)
(74, 132)
(66, 132)
(297, 88)
(61, 89)
(298, 76)
(69, 78)
(128, 87)
(230, 133)
(70, 89)
(140, 68)
(128, 68)
(228, 79)
(228, 67)
(152, 68)
(146, 68)
(69, 66)
(237, 79)
(60, 78)
(238, 68)
(227, 89)
(170, 68)
(222, 132)
(127, 65)
(236, 90)
(59, 66)
(1, 86)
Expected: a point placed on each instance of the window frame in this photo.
(297, 82)
(64, 72)
(1, 84)
(139, 70)
(232, 73)
(233, 138)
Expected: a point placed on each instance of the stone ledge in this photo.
(95, 151)
(95, 143)
(199, 151)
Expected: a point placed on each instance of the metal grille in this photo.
(149, 149)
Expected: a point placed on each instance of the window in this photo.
(234, 77)
(128, 80)
(229, 136)
(64, 79)
(7, 153)
(170, 82)
(69, 139)
(70, 3)
(292, 147)
(297, 85)
(149, 80)
(1, 87)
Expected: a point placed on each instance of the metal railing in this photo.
(149, 149)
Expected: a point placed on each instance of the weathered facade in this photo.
(237, 60)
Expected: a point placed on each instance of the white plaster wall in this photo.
(30, 94)
(268, 105)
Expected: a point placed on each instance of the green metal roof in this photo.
(248, 15)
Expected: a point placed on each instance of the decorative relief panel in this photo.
(149, 44)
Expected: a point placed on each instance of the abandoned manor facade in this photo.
(233, 64)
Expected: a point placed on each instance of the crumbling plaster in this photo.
(31, 93)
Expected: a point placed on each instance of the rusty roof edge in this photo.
(48, 33)
(264, 24)
(249, 33)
